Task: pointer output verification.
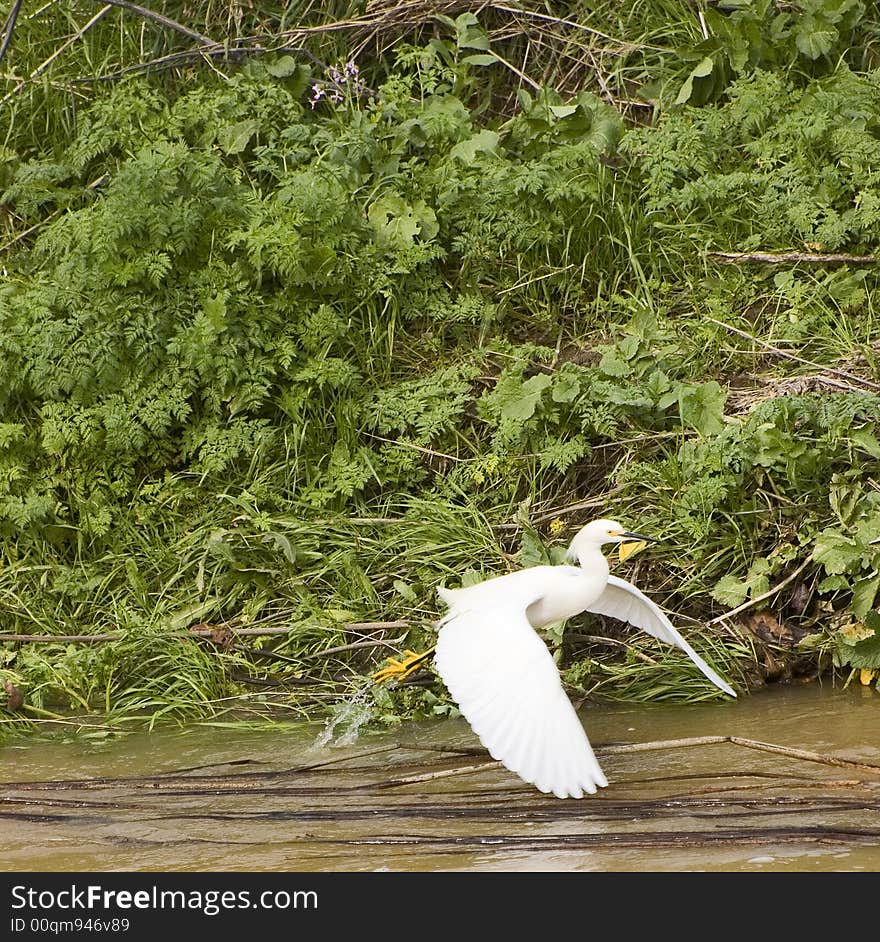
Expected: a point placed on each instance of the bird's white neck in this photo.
(592, 559)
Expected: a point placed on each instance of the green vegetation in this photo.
(288, 342)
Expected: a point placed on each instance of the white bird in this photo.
(502, 675)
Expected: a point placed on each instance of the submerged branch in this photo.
(788, 751)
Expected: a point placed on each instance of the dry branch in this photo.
(791, 356)
(64, 46)
(354, 626)
(761, 598)
(785, 258)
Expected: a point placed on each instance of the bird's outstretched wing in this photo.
(502, 676)
(620, 599)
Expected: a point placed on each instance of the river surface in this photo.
(424, 796)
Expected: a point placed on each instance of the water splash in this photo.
(348, 718)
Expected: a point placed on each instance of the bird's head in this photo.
(598, 532)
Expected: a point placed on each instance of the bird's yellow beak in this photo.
(625, 550)
(634, 543)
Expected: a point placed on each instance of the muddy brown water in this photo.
(424, 797)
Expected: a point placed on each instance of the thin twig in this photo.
(792, 356)
(768, 594)
(531, 281)
(162, 21)
(534, 14)
(424, 451)
(9, 28)
(523, 77)
(354, 646)
(44, 65)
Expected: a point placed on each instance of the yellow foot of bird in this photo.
(400, 670)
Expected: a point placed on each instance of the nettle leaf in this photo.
(702, 407)
(566, 386)
(282, 67)
(814, 37)
(833, 584)
(397, 224)
(481, 58)
(836, 552)
(701, 70)
(532, 551)
(864, 593)
(863, 655)
(866, 441)
(731, 591)
(469, 33)
(613, 364)
(234, 138)
(485, 142)
(523, 406)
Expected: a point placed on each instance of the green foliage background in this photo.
(278, 363)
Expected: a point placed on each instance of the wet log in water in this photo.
(410, 802)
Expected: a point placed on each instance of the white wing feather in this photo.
(622, 600)
(502, 676)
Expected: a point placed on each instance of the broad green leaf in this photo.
(836, 552)
(702, 407)
(864, 593)
(612, 364)
(484, 142)
(532, 551)
(814, 37)
(397, 224)
(470, 34)
(234, 138)
(282, 67)
(866, 441)
(480, 58)
(405, 591)
(863, 655)
(523, 406)
(833, 584)
(702, 69)
(730, 591)
(565, 387)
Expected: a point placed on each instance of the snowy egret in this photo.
(502, 675)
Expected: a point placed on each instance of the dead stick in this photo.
(356, 645)
(44, 65)
(761, 598)
(162, 21)
(117, 636)
(779, 258)
(792, 356)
